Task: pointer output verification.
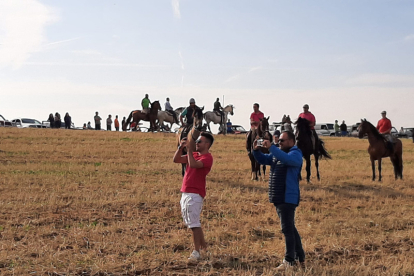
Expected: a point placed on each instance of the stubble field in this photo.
(107, 203)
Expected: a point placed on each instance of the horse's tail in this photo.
(128, 121)
(322, 151)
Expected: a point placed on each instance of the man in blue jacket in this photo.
(286, 165)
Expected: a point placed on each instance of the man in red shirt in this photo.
(116, 123)
(193, 189)
(306, 114)
(255, 118)
(384, 127)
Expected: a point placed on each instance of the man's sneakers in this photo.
(284, 266)
(194, 257)
(287, 265)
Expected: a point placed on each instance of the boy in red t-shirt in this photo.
(193, 189)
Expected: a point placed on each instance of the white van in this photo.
(325, 129)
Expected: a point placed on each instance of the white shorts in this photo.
(191, 205)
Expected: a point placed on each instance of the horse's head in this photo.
(264, 124)
(363, 128)
(229, 108)
(155, 106)
(198, 117)
(302, 127)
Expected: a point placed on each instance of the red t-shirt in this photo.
(195, 179)
(256, 117)
(384, 125)
(308, 116)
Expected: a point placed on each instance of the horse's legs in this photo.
(264, 172)
(400, 163)
(252, 163)
(308, 168)
(317, 165)
(208, 125)
(373, 169)
(394, 161)
(379, 170)
(257, 170)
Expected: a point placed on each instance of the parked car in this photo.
(353, 130)
(325, 129)
(26, 123)
(407, 132)
(237, 129)
(4, 122)
(394, 132)
(276, 126)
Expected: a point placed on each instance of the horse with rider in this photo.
(219, 116)
(148, 113)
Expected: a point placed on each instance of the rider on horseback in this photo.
(306, 114)
(219, 109)
(170, 110)
(384, 127)
(188, 114)
(145, 103)
(255, 118)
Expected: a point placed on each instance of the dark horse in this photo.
(304, 143)
(379, 148)
(191, 132)
(138, 115)
(262, 132)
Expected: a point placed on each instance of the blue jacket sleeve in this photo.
(292, 158)
(264, 159)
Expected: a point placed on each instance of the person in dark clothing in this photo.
(284, 193)
(123, 124)
(218, 108)
(98, 120)
(188, 114)
(343, 128)
(68, 121)
(276, 135)
(51, 120)
(58, 122)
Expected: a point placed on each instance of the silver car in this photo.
(26, 123)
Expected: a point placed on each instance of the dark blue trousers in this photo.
(294, 249)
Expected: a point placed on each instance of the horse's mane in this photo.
(198, 113)
(155, 104)
(374, 130)
(303, 125)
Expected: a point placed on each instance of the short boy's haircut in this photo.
(256, 104)
(209, 137)
(290, 135)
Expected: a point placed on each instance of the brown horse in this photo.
(379, 148)
(138, 115)
(191, 132)
(262, 132)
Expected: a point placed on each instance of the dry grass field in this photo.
(100, 203)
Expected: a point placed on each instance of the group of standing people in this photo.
(341, 130)
(109, 122)
(56, 122)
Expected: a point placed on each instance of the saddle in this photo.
(390, 141)
(217, 113)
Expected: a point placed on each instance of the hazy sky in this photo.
(346, 59)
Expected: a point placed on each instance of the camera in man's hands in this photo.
(259, 143)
